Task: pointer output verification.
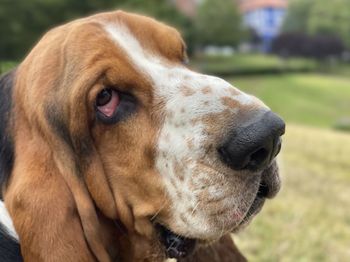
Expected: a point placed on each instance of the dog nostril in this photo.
(263, 191)
(258, 158)
(278, 147)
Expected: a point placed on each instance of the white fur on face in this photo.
(205, 203)
(5, 220)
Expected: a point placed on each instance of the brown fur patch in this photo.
(233, 92)
(229, 102)
(187, 91)
(206, 90)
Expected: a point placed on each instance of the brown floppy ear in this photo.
(57, 172)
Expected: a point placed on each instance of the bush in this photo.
(251, 64)
(302, 45)
(343, 124)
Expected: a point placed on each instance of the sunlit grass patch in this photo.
(311, 99)
(310, 219)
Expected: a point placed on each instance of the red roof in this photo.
(248, 5)
(188, 7)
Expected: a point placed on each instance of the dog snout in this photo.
(253, 146)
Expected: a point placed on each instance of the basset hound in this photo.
(112, 149)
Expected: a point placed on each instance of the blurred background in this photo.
(295, 56)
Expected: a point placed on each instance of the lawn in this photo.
(310, 99)
(310, 219)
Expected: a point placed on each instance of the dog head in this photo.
(137, 133)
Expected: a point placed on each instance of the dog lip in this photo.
(254, 209)
(176, 246)
(265, 191)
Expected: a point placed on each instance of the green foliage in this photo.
(320, 17)
(22, 22)
(297, 15)
(249, 64)
(163, 10)
(6, 66)
(331, 17)
(218, 23)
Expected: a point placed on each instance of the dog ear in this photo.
(54, 149)
(6, 141)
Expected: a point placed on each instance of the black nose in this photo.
(253, 147)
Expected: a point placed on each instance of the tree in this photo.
(300, 44)
(297, 15)
(22, 22)
(217, 23)
(315, 17)
(331, 18)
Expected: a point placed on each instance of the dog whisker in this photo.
(195, 207)
(159, 210)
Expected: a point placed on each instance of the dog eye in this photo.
(112, 106)
(107, 102)
(104, 97)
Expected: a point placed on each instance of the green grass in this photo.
(311, 99)
(339, 69)
(310, 219)
(250, 63)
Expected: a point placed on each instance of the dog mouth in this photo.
(176, 246)
(254, 209)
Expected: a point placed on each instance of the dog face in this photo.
(154, 141)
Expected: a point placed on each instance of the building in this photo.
(265, 17)
(187, 7)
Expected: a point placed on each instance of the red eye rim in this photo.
(107, 102)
